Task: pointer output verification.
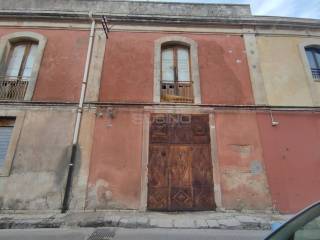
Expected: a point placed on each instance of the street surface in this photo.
(132, 234)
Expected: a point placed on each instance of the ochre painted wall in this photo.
(128, 71)
(239, 152)
(115, 167)
(61, 69)
(285, 78)
(292, 158)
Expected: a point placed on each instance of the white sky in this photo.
(288, 8)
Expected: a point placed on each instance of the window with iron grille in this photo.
(6, 129)
(313, 55)
(17, 70)
(176, 84)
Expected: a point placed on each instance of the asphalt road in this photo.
(130, 234)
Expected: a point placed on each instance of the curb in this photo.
(225, 224)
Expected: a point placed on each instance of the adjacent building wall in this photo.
(285, 78)
(292, 158)
(37, 177)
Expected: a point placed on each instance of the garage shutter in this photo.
(5, 136)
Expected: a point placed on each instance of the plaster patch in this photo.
(243, 150)
(256, 167)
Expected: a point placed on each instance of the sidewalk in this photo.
(135, 219)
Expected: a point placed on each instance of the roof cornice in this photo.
(249, 21)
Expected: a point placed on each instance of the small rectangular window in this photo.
(6, 129)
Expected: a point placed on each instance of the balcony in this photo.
(13, 88)
(315, 73)
(178, 92)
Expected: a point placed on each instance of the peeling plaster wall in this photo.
(292, 158)
(128, 69)
(37, 178)
(62, 64)
(239, 151)
(115, 167)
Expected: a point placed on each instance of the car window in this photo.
(311, 231)
(304, 226)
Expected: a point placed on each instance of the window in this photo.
(313, 56)
(176, 70)
(18, 69)
(6, 129)
(176, 85)
(20, 55)
(20, 60)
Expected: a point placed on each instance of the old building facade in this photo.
(176, 107)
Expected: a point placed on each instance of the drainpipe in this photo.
(65, 204)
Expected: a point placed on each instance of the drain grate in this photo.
(102, 234)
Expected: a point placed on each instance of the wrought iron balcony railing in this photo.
(315, 73)
(13, 88)
(179, 92)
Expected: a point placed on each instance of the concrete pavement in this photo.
(135, 219)
(131, 234)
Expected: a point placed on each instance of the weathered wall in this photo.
(37, 178)
(115, 167)
(62, 64)
(292, 158)
(83, 158)
(284, 73)
(128, 68)
(239, 152)
(132, 8)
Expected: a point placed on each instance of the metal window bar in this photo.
(179, 92)
(13, 88)
(315, 73)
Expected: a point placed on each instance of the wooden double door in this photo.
(180, 167)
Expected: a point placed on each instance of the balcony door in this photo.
(18, 69)
(176, 84)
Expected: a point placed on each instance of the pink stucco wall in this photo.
(239, 152)
(128, 71)
(292, 158)
(115, 167)
(61, 69)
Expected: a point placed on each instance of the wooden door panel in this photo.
(180, 164)
(181, 198)
(160, 130)
(200, 129)
(180, 168)
(201, 166)
(202, 181)
(158, 198)
(182, 132)
(158, 166)
(203, 198)
(158, 179)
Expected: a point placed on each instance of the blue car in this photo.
(303, 226)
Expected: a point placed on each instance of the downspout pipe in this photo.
(68, 188)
